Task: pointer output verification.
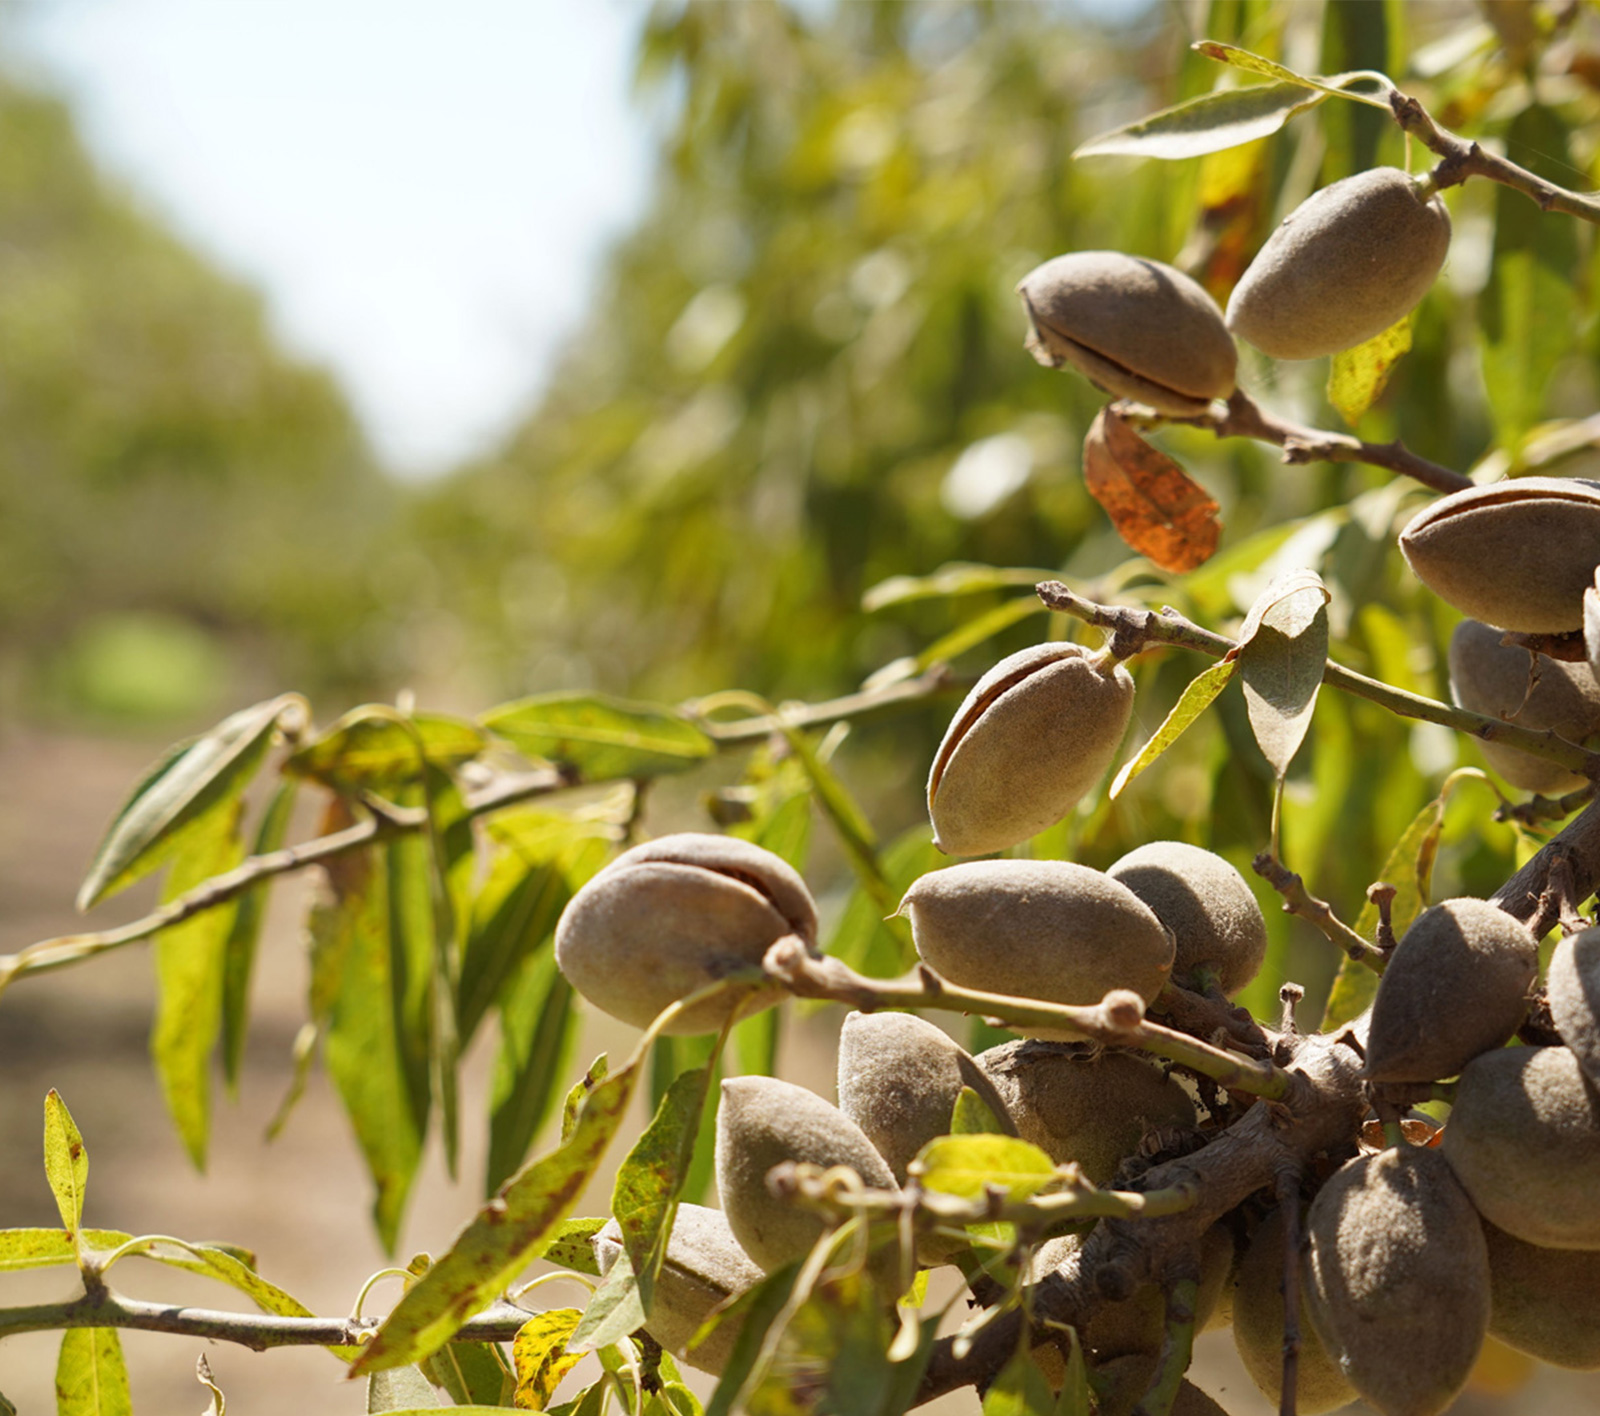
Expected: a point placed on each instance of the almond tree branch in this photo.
(1244, 418)
(388, 821)
(1132, 631)
(1462, 158)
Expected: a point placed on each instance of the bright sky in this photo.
(423, 191)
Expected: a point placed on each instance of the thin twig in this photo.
(1118, 1018)
(1244, 418)
(1132, 631)
(257, 1331)
(388, 821)
(1539, 809)
(1287, 1188)
(1297, 900)
(1463, 158)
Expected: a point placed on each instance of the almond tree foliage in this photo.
(832, 177)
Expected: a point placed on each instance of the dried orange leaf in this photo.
(1155, 506)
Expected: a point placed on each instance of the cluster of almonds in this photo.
(1411, 1253)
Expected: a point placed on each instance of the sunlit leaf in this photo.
(1201, 692)
(91, 1377)
(239, 953)
(66, 1160)
(351, 955)
(644, 1201)
(507, 1233)
(218, 1405)
(571, 1247)
(1156, 507)
(965, 1165)
(1357, 377)
(189, 960)
(1209, 123)
(600, 738)
(971, 1116)
(978, 631)
(378, 748)
(183, 786)
(1337, 85)
(1020, 1389)
(958, 578)
(541, 1357)
(40, 1248)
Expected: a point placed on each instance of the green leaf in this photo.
(515, 914)
(1409, 868)
(1527, 309)
(538, 1028)
(645, 1200)
(239, 954)
(863, 938)
(400, 1389)
(966, 1165)
(601, 738)
(977, 631)
(66, 1160)
(352, 958)
(541, 1358)
(1201, 692)
(474, 1373)
(971, 1116)
(450, 1411)
(1020, 1389)
(91, 1377)
(615, 1308)
(1336, 85)
(185, 785)
(1209, 123)
(571, 1247)
(40, 1248)
(1357, 377)
(578, 1093)
(1282, 655)
(756, 1309)
(957, 578)
(377, 748)
(1073, 1398)
(509, 1232)
(189, 960)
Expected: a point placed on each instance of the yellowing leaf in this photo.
(966, 1165)
(66, 1162)
(1357, 377)
(1201, 692)
(540, 1354)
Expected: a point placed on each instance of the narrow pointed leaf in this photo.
(1020, 1389)
(66, 1160)
(601, 738)
(219, 1403)
(1199, 695)
(1209, 123)
(183, 786)
(239, 954)
(40, 1248)
(378, 749)
(189, 960)
(509, 1232)
(538, 1030)
(644, 1201)
(971, 1116)
(957, 578)
(1357, 377)
(1337, 85)
(756, 1310)
(978, 631)
(964, 1165)
(91, 1377)
(352, 961)
(541, 1356)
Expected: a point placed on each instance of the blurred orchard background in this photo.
(371, 349)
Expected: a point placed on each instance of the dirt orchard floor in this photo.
(302, 1201)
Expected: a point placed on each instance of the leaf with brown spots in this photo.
(1154, 504)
